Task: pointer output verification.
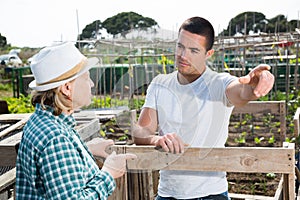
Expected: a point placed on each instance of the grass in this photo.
(5, 91)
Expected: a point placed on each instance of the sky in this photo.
(38, 23)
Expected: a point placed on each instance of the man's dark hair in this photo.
(200, 26)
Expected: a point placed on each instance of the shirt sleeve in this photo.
(64, 173)
(150, 100)
(226, 79)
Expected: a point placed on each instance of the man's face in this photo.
(190, 54)
(82, 94)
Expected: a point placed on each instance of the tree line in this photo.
(123, 23)
(257, 22)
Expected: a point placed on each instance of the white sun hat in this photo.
(58, 64)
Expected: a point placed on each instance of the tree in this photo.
(245, 22)
(3, 41)
(124, 22)
(292, 25)
(91, 30)
(254, 21)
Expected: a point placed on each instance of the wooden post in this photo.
(296, 122)
(289, 179)
(121, 191)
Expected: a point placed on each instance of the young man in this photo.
(192, 106)
(53, 162)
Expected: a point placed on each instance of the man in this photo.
(192, 106)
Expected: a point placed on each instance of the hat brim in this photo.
(91, 62)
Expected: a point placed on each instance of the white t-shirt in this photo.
(199, 113)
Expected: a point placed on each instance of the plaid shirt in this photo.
(53, 163)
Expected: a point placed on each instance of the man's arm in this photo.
(144, 130)
(144, 133)
(256, 84)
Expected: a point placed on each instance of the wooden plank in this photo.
(249, 197)
(230, 159)
(291, 178)
(8, 155)
(13, 117)
(85, 115)
(296, 122)
(12, 140)
(282, 112)
(8, 152)
(7, 179)
(259, 107)
(90, 130)
(279, 191)
(3, 195)
(121, 191)
(17, 125)
(133, 120)
(8, 145)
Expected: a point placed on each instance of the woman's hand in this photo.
(98, 145)
(115, 164)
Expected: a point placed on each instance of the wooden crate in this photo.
(230, 159)
(139, 188)
(88, 127)
(264, 107)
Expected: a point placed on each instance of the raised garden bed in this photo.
(263, 128)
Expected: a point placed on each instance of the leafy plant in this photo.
(102, 133)
(111, 130)
(19, 105)
(242, 138)
(271, 175)
(271, 140)
(290, 140)
(252, 188)
(5, 87)
(258, 140)
(123, 138)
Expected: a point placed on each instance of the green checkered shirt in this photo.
(53, 163)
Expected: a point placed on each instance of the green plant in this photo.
(258, 140)
(242, 138)
(267, 119)
(5, 87)
(263, 185)
(102, 133)
(111, 130)
(252, 188)
(271, 140)
(290, 140)
(270, 175)
(122, 138)
(19, 105)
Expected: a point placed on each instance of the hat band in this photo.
(67, 74)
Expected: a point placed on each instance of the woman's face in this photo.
(82, 94)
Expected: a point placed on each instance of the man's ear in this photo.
(209, 53)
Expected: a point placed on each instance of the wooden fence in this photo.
(230, 159)
(264, 107)
(142, 178)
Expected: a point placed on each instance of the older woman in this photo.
(53, 162)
